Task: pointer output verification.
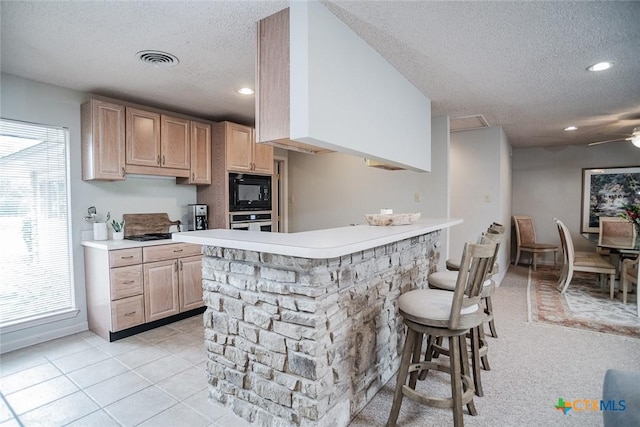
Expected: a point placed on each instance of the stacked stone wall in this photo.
(307, 342)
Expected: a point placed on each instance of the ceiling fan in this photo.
(634, 137)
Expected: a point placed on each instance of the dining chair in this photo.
(438, 313)
(631, 274)
(616, 232)
(526, 241)
(588, 262)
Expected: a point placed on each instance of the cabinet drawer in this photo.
(172, 251)
(126, 281)
(123, 257)
(127, 312)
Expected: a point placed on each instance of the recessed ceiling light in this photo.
(246, 91)
(600, 66)
(568, 128)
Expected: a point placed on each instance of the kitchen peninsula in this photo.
(302, 329)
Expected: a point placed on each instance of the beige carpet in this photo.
(584, 305)
(532, 365)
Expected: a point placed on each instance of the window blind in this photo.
(35, 260)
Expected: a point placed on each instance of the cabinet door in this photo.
(103, 141)
(143, 138)
(190, 283)
(262, 157)
(200, 153)
(175, 144)
(161, 289)
(239, 147)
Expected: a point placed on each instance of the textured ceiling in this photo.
(519, 64)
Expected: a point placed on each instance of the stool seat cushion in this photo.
(540, 246)
(429, 306)
(447, 280)
(454, 264)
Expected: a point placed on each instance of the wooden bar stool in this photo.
(446, 280)
(438, 313)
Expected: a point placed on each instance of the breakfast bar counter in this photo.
(302, 329)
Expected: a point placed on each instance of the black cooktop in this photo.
(150, 236)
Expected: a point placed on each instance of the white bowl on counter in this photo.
(392, 219)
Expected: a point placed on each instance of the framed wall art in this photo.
(605, 191)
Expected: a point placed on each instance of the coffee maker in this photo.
(197, 217)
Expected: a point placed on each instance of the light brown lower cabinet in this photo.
(161, 289)
(190, 279)
(134, 286)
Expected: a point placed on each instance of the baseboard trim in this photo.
(12, 345)
(113, 336)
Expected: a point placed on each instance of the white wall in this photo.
(547, 183)
(480, 186)
(346, 97)
(335, 190)
(26, 100)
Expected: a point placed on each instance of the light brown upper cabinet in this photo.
(119, 137)
(200, 154)
(242, 153)
(143, 138)
(157, 144)
(175, 146)
(103, 141)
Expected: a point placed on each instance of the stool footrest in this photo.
(441, 402)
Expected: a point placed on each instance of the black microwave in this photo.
(249, 192)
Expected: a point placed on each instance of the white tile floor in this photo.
(156, 378)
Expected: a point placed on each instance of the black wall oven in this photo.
(249, 192)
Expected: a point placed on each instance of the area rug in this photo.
(584, 305)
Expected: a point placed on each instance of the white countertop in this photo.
(111, 245)
(317, 244)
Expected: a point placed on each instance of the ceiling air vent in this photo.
(461, 123)
(157, 58)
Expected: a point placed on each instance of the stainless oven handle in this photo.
(247, 223)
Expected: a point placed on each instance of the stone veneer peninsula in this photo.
(302, 329)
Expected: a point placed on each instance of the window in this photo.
(35, 267)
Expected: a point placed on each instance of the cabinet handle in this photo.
(126, 257)
(180, 265)
(128, 282)
(158, 159)
(177, 250)
(193, 176)
(163, 161)
(123, 171)
(131, 313)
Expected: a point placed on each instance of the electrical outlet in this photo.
(416, 197)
